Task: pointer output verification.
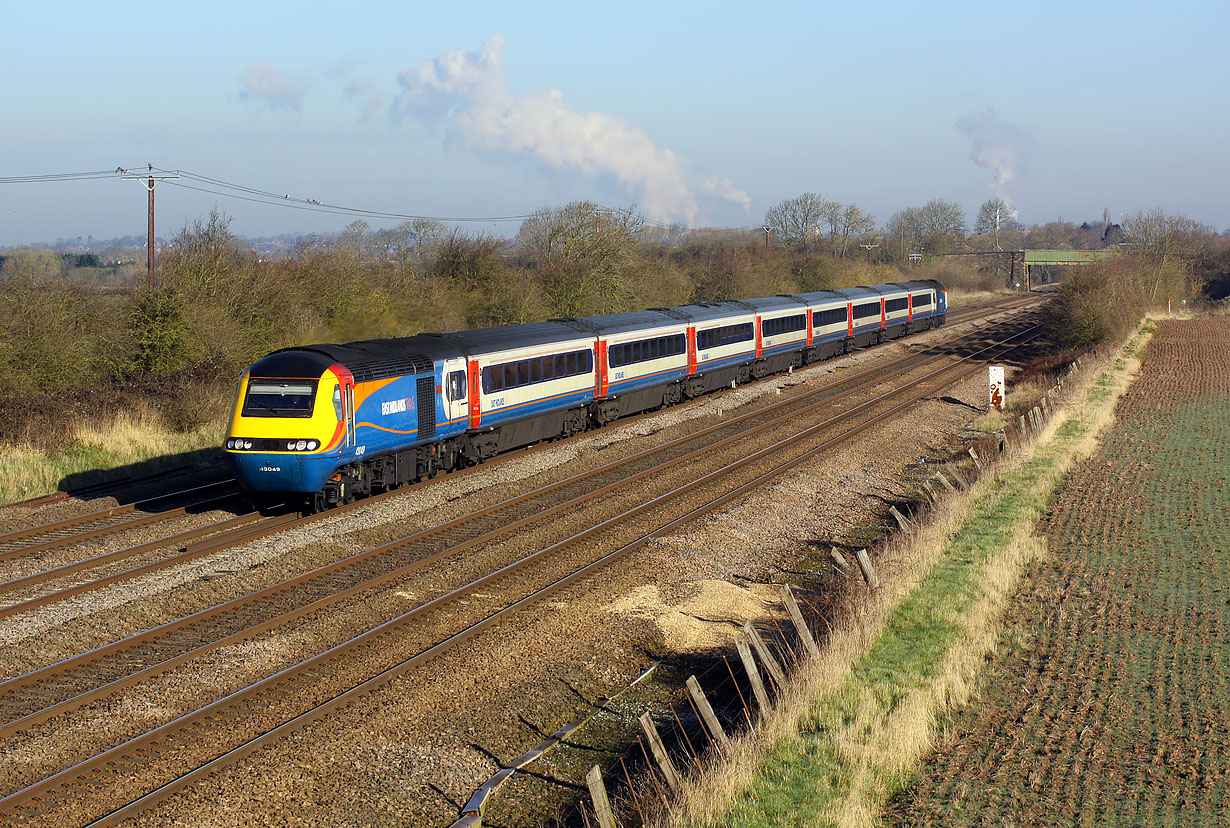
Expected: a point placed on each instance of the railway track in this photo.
(223, 534)
(75, 682)
(293, 687)
(34, 540)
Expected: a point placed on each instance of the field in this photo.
(1107, 702)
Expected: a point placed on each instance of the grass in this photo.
(855, 724)
(137, 435)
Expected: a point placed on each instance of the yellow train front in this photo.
(287, 432)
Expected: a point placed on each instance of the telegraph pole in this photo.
(149, 177)
(149, 243)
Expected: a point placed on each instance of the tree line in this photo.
(216, 306)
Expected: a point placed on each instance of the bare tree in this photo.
(1170, 243)
(994, 215)
(578, 231)
(854, 224)
(905, 227)
(796, 221)
(942, 218)
(585, 253)
(410, 241)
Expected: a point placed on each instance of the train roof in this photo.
(503, 338)
(858, 293)
(374, 359)
(614, 323)
(366, 360)
(704, 311)
(782, 302)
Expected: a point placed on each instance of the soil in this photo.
(1107, 703)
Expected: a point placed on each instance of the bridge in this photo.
(1017, 264)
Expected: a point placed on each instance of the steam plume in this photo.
(468, 92)
(995, 145)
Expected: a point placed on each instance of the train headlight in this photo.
(290, 446)
(246, 443)
(230, 444)
(301, 445)
(312, 444)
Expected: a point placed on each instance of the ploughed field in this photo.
(1108, 702)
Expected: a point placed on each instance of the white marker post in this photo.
(997, 389)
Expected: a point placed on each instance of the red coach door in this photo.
(475, 408)
(600, 380)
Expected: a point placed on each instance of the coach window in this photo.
(572, 363)
(510, 375)
(457, 385)
(535, 370)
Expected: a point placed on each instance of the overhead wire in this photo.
(260, 196)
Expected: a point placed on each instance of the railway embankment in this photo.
(855, 723)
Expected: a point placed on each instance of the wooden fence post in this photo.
(753, 672)
(838, 558)
(706, 712)
(977, 459)
(597, 793)
(944, 481)
(902, 521)
(659, 751)
(762, 650)
(792, 606)
(869, 574)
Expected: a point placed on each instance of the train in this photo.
(320, 425)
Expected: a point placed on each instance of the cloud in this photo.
(264, 83)
(365, 91)
(725, 188)
(468, 92)
(996, 145)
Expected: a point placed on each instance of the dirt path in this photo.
(1109, 702)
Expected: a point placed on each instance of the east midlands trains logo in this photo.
(396, 406)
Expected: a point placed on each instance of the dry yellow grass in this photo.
(136, 435)
(877, 744)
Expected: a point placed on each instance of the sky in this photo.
(705, 113)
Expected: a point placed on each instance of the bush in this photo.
(1101, 301)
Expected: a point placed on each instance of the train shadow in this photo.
(156, 478)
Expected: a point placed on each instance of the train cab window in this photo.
(457, 386)
(279, 398)
(337, 403)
